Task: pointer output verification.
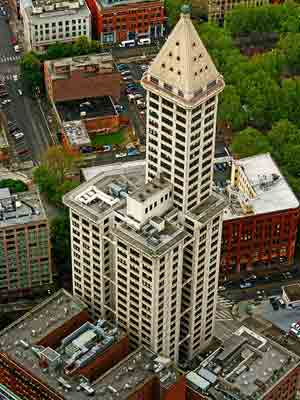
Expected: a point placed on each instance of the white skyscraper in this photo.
(146, 244)
(182, 96)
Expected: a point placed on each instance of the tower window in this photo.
(177, 43)
(178, 58)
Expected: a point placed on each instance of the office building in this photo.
(49, 22)
(25, 256)
(146, 248)
(116, 21)
(261, 222)
(246, 366)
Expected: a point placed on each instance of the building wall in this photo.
(22, 383)
(148, 296)
(148, 390)
(25, 259)
(117, 352)
(53, 339)
(39, 33)
(102, 123)
(258, 238)
(193, 395)
(176, 391)
(218, 9)
(79, 85)
(127, 21)
(287, 388)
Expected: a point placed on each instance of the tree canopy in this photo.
(249, 142)
(52, 176)
(15, 185)
(60, 239)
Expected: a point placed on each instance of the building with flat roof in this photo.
(246, 366)
(82, 77)
(153, 240)
(291, 294)
(143, 374)
(75, 136)
(261, 220)
(57, 348)
(25, 255)
(116, 21)
(48, 22)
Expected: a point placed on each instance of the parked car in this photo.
(119, 107)
(20, 92)
(121, 155)
(107, 147)
(132, 151)
(294, 332)
(245, 284)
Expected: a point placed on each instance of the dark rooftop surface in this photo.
(85, 108)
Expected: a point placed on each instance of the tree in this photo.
(15, 185)
(173, 8)
(81, 46)
(31, 70)
(59, 162)
(289, 45)
(250, 142)
(60, 239)
(52, 176)
(230, 108)
(283, 133)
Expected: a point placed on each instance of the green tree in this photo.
(289, 45)
(60, 239)
(249, 142)
(31, 70)
(283, 133)
(15, 185)
(230, 108)
(81, 46)
(173, 8)
(290, 100)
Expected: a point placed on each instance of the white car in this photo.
(20, 92)
(7, 101)
(15, 77)
(121, 155)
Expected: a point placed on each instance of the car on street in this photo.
(144, 67)
(15, 77)
(119, 107)
(4, 102)
(121, 155)
(20, 92)
(132, 151)
(245, 284)
(19, 136)
(294, 332)
(296, 325)
(107, 147)
(127, 78)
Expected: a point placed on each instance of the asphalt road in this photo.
(24, 109)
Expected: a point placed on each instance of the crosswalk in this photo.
(8, 59)
(224, 307)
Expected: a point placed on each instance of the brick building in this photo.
(54, 352)
(246, 366)
(25, 256)
(114, 21)
(260, 224)
(82, 77)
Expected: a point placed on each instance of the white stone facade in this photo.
(44, 26)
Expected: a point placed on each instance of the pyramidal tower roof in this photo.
(183, 62)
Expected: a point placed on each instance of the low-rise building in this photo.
(82, 77)
(116, 21)
(55, 352)
(260, 224)
(217, 9)
(143, 375)
(25, 256)
(291, 294)
(50, 21)
(246, 366)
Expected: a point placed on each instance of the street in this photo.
(23, 109)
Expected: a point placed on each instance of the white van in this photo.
(127, 43)
(17, 48)
(144, 41)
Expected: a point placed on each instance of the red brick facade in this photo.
(127, 21)
(258, 238)
(82, 83)
(287, 388)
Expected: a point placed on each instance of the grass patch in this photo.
(113, 138)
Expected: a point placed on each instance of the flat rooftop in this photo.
(76, 133)
(292, 292)
(119, 3)
(20, 208)
(210, 207)
(150, 189)
(38, 8)
(141, 365)
(247, 365)
(155, 244)
(58, 69)
(90, 172)
(74, 110)
(271, 188)
(128, 175)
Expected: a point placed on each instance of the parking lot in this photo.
(282, 318)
